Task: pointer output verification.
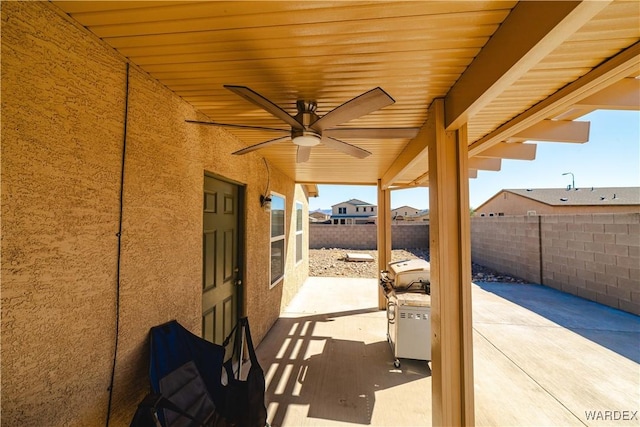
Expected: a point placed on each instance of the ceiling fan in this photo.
(308, 129)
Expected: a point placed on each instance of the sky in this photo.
(611, 158)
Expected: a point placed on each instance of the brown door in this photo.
(220, 259)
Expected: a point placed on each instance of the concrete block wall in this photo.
(594, 256)
(410, 235)
(364, 236)
(360, 236)
(507, 244)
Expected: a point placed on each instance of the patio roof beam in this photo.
(530, 32)
(554, 131)
(413, 184)
(538, 27)
(616, 68)
(415, 151)
(485, 163)
(516, 151)
(422, 180)
(623, 95)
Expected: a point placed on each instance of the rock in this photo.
(332, 263)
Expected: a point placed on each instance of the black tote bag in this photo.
(244, 399)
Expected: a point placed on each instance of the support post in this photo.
(450, 254)
(384, 237)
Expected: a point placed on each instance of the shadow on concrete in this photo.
(611, 328)
(337, 378)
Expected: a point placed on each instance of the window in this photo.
(342, 210)
(277, 238)
(357, 209)
(299, 239)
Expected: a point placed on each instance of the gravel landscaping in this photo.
(332, 263)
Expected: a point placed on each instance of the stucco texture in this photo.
(63, 128)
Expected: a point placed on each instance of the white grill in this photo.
(407, 287)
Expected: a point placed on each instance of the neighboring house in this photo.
(538, 201)
(403, 213)
(422, 216)
(318, 216)
(354, 211)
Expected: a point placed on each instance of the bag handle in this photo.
(252, 352)
(228, 338)
(238, 329)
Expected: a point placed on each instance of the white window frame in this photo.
(277, 238)
(299, 231)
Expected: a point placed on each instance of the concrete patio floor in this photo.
(541, 357)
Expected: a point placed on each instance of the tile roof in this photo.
(355, 202)
(405, 207)
(352, 216)
(582, 196)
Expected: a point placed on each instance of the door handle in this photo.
(238, 281)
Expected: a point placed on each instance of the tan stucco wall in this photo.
(514, 204)
(63, 101)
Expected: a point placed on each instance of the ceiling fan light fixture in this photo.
(305, 138)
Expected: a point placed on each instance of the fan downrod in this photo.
(306, 113)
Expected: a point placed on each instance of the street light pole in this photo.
(573, 179)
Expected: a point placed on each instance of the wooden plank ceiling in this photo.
(416, 51)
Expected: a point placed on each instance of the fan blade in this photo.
(343, 147)
(303, 154)
(229, 125)
(363, 104)
(265, 104)
(372, 133)
(260, 145)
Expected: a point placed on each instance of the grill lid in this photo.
(411, 274)
(400, 267)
